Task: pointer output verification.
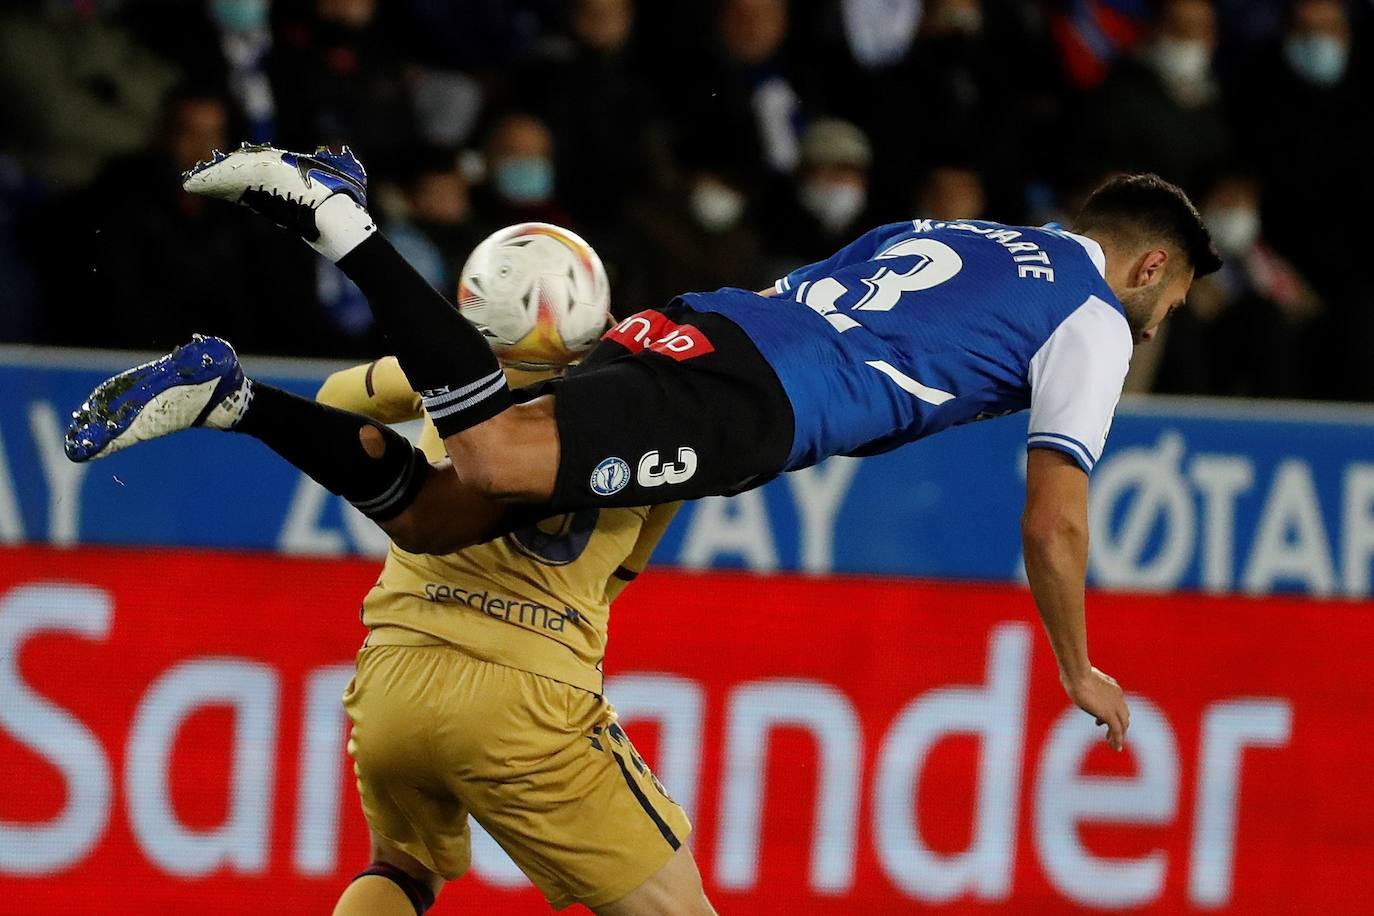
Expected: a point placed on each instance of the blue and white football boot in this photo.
(285, 187)
(199, 384)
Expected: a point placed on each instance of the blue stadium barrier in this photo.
(1191, 494)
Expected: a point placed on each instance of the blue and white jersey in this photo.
(919, 326)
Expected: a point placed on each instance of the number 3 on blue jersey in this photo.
(935, 263)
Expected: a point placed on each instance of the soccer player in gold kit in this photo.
(479, 691)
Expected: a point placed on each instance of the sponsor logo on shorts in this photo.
(654, 472)
(653, 331)
(508, 608)
(610, 477)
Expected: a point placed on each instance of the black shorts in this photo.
(672, 404)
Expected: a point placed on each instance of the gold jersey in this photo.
(537, 599)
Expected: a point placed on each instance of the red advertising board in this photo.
(170, 737)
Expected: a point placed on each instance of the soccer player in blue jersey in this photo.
(912, 328)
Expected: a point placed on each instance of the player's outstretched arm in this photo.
(1054, 535)
(655, 523)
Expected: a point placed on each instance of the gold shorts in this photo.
(543, 766)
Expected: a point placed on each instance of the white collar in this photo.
(1094, 250)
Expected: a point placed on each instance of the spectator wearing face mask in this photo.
(1247, 329)
(1308, 133)
(825, 204)
(930, 80)
(605, 120)
(700, 238)
(1161, 109)
(520, 175)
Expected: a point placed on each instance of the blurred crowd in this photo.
(696, 145)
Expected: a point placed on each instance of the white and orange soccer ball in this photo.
(538, 293)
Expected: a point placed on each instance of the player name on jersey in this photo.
(1032, 261)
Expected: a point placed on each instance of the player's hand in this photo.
(1100, 696)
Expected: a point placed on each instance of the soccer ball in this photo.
(538, 293)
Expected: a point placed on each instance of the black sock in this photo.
(324, 443)
(446, 359)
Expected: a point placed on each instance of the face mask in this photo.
(834, 204)
(715, 207)
(1182, 62)
(525, 180)
(1235, 229)
(1319, 59)
(240, 15)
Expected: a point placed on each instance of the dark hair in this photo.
(1148, 209)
